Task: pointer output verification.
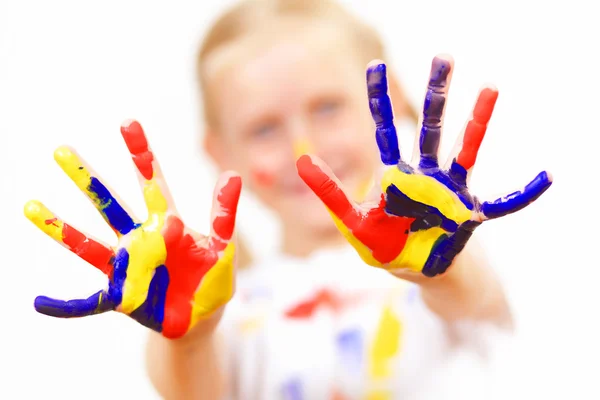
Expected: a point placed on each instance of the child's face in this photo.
(295, 96)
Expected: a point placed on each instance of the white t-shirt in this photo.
(330, 327)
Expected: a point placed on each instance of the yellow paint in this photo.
(386, 345)
(154, 198)
(147, 249)
(414, 255)
(427, 190)
(74, 168)
(37, 213)
(216, 287)
(301, 146)
(417, 249)
(379, 395)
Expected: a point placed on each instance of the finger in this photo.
(519, 199)
(95, 304)
(88, 182)
(468, 145)
(433, 111)
(383, 115)
(92, 251)
(156, 192)
(322, 181)
(447, 248)
(152, 312)
(225, 201)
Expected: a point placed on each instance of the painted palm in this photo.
(425, 214)
(160, 273)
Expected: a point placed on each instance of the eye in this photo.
(264, 130)
(327, 107)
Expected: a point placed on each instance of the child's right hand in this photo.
(161, 273)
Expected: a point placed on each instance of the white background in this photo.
(70, 72)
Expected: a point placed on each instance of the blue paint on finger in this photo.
(383, 115)
(433, 110)
(115, 285)
(447, 248)
(519, 199)
(95, 304)
(113, 212)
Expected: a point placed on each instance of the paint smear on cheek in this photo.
(262, 178)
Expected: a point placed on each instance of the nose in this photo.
(302, 145)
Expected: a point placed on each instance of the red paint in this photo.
(88, 249)
(384, 234)
(51, 221)
(307, 308)
(262, 178)
(136, 142)
(476, 127)
(223, 225)
(187, 263)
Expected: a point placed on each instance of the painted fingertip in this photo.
(548, 176)
(441, 66)
(376, 63)
(63, 154)
(33, 208)
(126, 124)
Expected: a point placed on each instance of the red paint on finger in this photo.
(88, 249)
(227, 201)
(384, 234)
(476, 128)
(136, 142)
(187, 263)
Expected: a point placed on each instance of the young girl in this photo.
(320, 320)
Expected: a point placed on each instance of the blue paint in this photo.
(292, 390)
(95, 304)
(399, 204)
(433, 110)
(351, 348)
(517, 200)
(383, 115)
(458, 173)
(459, 189)
(115, 285)
(446, 248)
(114, 214)
(152, 312)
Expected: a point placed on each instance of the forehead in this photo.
(292, 64)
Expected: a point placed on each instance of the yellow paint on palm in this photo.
(216, 287)
(44, 219)
(417, 249)
(386, 345)
(147, 249)
(427, 190)
(363, 251)
(414, 255)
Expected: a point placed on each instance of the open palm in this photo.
(160, 273)
(425, 214)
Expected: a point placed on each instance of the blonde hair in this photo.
(249, 16)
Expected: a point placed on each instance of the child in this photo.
(281, 79)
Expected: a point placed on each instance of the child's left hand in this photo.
(425, 214)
